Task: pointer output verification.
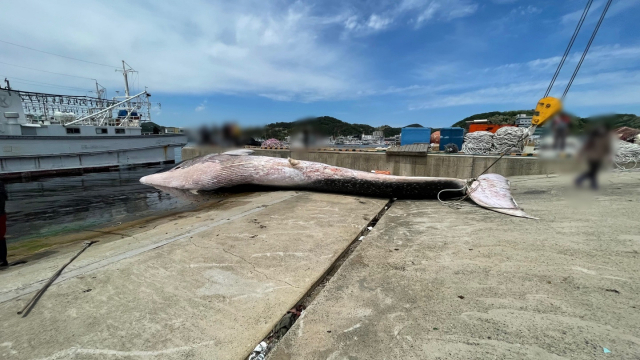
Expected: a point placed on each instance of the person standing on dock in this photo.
(3, 226)
(596, 150)
(560, 128)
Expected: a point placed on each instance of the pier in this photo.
(425, 281)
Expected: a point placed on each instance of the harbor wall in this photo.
(435, 165)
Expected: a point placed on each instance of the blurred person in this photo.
(3, 226)
(560, 126)
(596, 149)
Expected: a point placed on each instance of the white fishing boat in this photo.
(49, 134)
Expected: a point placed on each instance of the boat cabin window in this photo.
(73, 130)
(101, 131)
(119, 131)
(28, 130)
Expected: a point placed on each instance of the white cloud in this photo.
(274, 49)
(526, 10)
(617, 7)
(609, 76)
(438, 10)
(462, 10)
(377, 22)
(354, 25)
(428, 13)
(190, 47)
(202, 106)
(416, 12)
(573, 17)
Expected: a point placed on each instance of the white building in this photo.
(523, 120)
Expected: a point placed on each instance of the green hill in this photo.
(620, 120)
(577, 123)
(327, 126)
(151, 127)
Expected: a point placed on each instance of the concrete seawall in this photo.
(436, 165)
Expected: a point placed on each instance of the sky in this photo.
(431, 62)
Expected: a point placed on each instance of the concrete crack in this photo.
(256, 270)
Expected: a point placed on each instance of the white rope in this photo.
(457, 203)
(626, 153)
(478, 142)
(507, 138)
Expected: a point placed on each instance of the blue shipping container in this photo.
(412, 135)
(451, 135)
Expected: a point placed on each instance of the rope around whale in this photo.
(457, 203)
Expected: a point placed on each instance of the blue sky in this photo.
(431, 62)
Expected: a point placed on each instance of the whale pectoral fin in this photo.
(238, 152)
(491, 191)
(293, 162)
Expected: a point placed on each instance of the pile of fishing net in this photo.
(508, 139)
(478, 142)
(626, 155)
(271, 143)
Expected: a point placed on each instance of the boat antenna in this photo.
(125, 71)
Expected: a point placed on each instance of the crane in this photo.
(548, 107)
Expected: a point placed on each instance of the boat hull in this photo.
(22, 156)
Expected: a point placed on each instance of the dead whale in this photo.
(238, 167)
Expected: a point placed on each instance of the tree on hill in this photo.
(494, 117)
(149, 127)
(389, 131)
(323, 125)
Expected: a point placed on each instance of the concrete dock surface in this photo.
(428, 282)
(206, 286)
(434, 282)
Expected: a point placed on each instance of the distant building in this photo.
(376, 138)
(523, 120)
(173, 130)
(478, 121)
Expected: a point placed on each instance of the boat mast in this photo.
(126, 81)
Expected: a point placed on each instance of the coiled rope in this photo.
(478, 142)
(508, 139)
(626, 153)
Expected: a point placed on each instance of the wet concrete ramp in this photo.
(432, 282)
(195, 288)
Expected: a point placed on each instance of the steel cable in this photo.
(586, 50)
(568, 49)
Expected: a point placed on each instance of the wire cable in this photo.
(29, 305)
(33, 82)
(568, 49)
(586, 50)
(50, 72)
(62, 56)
